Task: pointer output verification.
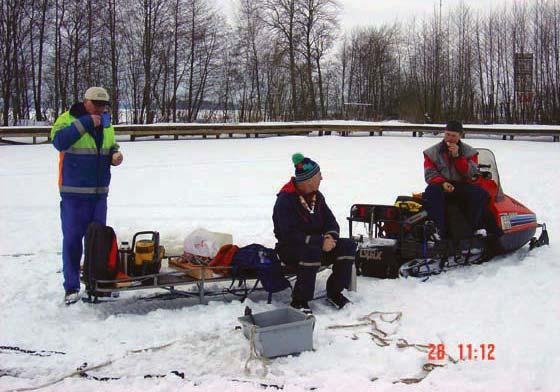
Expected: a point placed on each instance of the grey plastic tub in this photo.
(280, 332)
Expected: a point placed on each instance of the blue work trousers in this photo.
(76, 214)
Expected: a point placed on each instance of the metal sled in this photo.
(240, 286)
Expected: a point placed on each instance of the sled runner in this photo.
(401, 241)
(172, 281)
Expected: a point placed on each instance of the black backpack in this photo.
(101, 256)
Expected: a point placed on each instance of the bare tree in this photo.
(10, 23)
(282, 18)
(114, 91)
(318, 24)
(250, 50)
(371, 69)
(37, 17)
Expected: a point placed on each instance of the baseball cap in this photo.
(97, 94)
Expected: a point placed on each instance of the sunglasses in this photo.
(100, 103)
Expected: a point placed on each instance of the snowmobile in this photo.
(402, 241)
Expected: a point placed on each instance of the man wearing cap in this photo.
(86, 141)
(308, 236)
(449, 169)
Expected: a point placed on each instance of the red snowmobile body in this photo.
(517, 221)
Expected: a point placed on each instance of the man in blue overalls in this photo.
(86, 141)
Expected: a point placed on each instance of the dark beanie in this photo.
(454, 126)
(305, 168)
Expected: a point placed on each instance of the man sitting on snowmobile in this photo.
(449, 169)
(308, 236)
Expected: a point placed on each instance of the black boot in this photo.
(302, 306)
(338, 300)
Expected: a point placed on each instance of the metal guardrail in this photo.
(291, 128)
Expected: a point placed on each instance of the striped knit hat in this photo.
(305, 168)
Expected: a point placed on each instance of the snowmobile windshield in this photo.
(487, 164)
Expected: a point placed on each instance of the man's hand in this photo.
(453, 149)
(117, 158)
(447, 187)
(96, 120)
(328, 243)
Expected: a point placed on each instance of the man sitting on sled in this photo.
(449, 169)
(308, 236)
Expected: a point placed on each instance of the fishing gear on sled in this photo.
(208, 257)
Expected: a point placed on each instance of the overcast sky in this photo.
(367, 12)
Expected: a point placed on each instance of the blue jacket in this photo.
(85, 154)
(299, 232)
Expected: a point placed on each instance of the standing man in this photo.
(308, 236)
(86, 141)
(449, 169)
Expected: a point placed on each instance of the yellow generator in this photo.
(146, 254)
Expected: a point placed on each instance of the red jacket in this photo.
(440, 167)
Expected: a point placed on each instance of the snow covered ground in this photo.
(226, 185)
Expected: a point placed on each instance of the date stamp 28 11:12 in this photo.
(467, 352)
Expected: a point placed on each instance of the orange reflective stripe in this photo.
(60, 160)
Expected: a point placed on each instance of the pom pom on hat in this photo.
(305, 168)
(297, 158)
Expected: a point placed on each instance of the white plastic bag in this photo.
(202, 242)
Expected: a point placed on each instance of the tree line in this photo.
(276, 60)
